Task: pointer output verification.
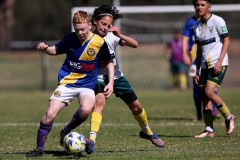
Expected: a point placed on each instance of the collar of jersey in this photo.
(207, 19)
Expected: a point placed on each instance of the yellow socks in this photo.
(143, 122)
(95, 125)
(183, 81)
(223, 109)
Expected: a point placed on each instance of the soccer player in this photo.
(212, 44)
(173, 50)
(190, 48)
(77, 76)
(103, 18)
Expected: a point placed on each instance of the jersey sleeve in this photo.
(187, 29)
(104, 54)
(221, 27)
(60, 46)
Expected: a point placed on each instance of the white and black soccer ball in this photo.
(74, 143)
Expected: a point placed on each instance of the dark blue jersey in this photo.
(80, 68)
(189, 32)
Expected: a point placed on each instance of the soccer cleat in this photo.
(153, 138)
(63, 133)
(89, 146)
(35, 153)
(230, 124)
(204, 134)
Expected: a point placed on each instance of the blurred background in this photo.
(24, 23)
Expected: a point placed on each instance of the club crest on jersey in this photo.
(210, 29)
(57, 93)
(91, 52)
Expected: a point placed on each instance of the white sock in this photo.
(93, 134)
(209, 129)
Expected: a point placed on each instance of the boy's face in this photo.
(82, 30)
(202, 7)
(103, 25)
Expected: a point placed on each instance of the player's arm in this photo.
(126, 41)
(105, 58)
(167, 51)
(50, 50)
(185, 50)
(218, 65)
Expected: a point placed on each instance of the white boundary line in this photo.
(113, 124)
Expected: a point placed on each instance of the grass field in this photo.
(169, 116)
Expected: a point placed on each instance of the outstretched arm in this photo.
(42, 47)
(127, 41)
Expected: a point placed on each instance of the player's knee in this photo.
(135, 107)
(100, 102)
(49, 118)
(84, 112)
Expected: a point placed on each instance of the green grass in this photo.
(169, 116)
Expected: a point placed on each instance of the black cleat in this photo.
(35, 153)
(63, 133)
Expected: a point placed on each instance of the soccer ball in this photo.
(74, 143)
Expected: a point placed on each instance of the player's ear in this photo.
(94, 21)
(89, 25)
(209, 6)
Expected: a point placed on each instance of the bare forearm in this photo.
(110, 67)
(185, 48)
(226, 43)
(128, 41)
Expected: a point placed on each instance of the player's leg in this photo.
(182, 76)
(125, 92)
(79, 116)
(197, 101)
(87, 100)
(96, 118)
(214, 108)
(213, 82)
(207, 116)
(45, 127)
(174, 76)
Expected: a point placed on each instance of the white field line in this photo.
(115, 124)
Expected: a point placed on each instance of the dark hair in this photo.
(194, 1)
(104, 10)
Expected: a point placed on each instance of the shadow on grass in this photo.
(171, 118)
(122, 151)
(180, 136)
(62, 154)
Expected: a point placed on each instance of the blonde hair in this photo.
(81, 17)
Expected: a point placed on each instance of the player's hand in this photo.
(108, 90)
(196, 78)
(186, 60)
(115, 31)
(217, 67)
(42, 46)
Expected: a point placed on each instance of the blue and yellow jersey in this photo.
(189, 32)
(80, 68)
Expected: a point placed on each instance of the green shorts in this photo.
(177, 67)
(208, 75)
(121, 88)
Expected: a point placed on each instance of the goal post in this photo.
(152, 26)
